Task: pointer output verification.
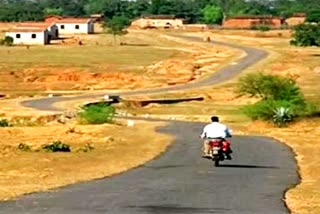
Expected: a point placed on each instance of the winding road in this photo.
(179, 181)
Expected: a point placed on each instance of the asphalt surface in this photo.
(180, 181)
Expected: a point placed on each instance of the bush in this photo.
(266, 86)
(281, 100)
(56, 146)
(306, 35)
(7, 41)
(97, 113)
(261, 27)
(282, 116)
(265, 109)
(4, 123)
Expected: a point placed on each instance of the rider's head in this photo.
(215, 119)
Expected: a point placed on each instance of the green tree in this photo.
(314, 15)
(138, 8)
(212, 15)
(116, 26)
(306, 35)
(7, 41)
(53, 11)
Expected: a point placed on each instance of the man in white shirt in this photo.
(215, 130)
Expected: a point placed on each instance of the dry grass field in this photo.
(147, 60)
(113, 153)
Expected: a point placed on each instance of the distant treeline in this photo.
(191, 10)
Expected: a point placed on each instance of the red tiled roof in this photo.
(299, 15)
(159, 17)
(73, 20)
(33, 25)
(255, 17)
(55, 16)
(27, 30)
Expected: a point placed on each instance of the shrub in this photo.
(261, 27)
(282, 116)
(306, 35)
(4, 123)
(265, 109)
(56, 146)
(97, 113)
(7, 41)
(281, 100)
(266, 86)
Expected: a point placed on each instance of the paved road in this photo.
(180, 181)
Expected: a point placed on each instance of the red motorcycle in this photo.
(220, 149)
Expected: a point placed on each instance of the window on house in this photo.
(62, 26)
(77, 27)
(18, 36)
(33, 36)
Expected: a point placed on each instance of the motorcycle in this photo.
(218, 150)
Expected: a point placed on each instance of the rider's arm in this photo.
(228, 132)
(204, 133)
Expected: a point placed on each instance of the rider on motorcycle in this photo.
(215, 131)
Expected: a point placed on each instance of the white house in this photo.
(75, 25)
(158, 21)
(51, 27)
(29, 36)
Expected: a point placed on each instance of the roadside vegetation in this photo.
(306, 35)
(96, 114)
(281, 100)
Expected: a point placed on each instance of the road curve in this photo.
(179, 181)
(253, 55)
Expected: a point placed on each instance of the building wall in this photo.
(70, 28)
(293, 21)
(157, 23)
(248, 23)
(237, 23)
(42, 38)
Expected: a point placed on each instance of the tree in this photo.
(7, 41)
(306, 35)
(138, 8)
(212, 15)
(53, 11)
(314, 15)
(116, 26)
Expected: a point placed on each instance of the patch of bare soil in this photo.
(24, 172)
(167, 72)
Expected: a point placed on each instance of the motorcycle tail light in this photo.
(216, 143)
